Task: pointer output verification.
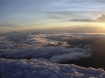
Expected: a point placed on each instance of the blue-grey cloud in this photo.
(82, 20)
(77, 16)
(101, 18)
(9, 25)
(71, 14)
(54, 17)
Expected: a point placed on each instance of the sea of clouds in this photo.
(42, 53)
(27, 46)
(39, 69)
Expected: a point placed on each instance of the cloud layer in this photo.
(38, 55)
(47, 47)
(38, 69)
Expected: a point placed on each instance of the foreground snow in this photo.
(39, 69)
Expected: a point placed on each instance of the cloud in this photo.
(68, 57)
(76, 1)
(70, 14)
(82, 20)
(51, 16)
(101, 18)
(8, 25)
(100, 1)
(43, 60)
(44, 47)
(39, 69)
(53, 54)
(76, 16)
(26, 46)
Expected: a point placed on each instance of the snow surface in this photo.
(39, 69)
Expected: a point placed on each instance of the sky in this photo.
(16, 15)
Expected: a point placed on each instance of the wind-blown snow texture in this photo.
(39, 69)
(44, 54)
